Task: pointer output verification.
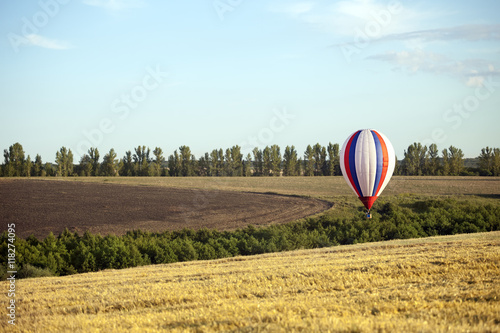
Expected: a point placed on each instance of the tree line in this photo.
(317, 160)
(422, 160)
(71, 253)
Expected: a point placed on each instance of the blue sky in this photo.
(213, 74)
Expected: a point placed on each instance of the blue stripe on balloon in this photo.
(380, 162)
(352, 162)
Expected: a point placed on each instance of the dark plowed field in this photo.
(39, 206)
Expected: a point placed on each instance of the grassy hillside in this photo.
(426, 285)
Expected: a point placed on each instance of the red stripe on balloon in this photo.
(368, 201)
(346, 162)
(385, 162)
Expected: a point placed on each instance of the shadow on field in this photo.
(488, 196)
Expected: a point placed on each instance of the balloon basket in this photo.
(368, 215)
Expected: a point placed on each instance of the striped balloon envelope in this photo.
(367, 160)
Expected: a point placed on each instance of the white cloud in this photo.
(343, 18)
(475, 81)
(361, 9)
(293, 10)
(397, 21)
(299, 8)
(417, 60)
(355, 24)
(37, 40)
(470, 32)
(115, 5)
(471, 71)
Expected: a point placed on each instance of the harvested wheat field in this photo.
(39, 207)
(436, 284)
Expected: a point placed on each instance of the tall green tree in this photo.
(64, 161)
(247, 166)
(38, 166)
(266, 161)
(290, 161)
(142, 160)
(414, 161)
(496, 162)
(456, 161)
(14, 165)
(157, 162)
(258, 162)
(70, 165)
(214, 163)
(275, 160)
(86, 165)
(228, 163)
(309, 161)
(127, 168)
(27, 167)
(186, 161)
(445, 170)
(175, 164)
(204, 165)
(94, 157)
(109, 165)
(49, 170)
(434, 162)
(237, 161)
(300, 167)
(7, 168)
(220, 162)
(489, 161)
(333, 159)
(319, 156)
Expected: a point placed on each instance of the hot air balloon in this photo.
(367, 160)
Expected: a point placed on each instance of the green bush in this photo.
(399, 217)
(29, 271)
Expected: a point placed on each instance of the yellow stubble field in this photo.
(440, 284)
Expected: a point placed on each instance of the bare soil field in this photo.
(39, 207)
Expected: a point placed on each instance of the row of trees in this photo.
(71, 253)
(422, 160)
(317, 160)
